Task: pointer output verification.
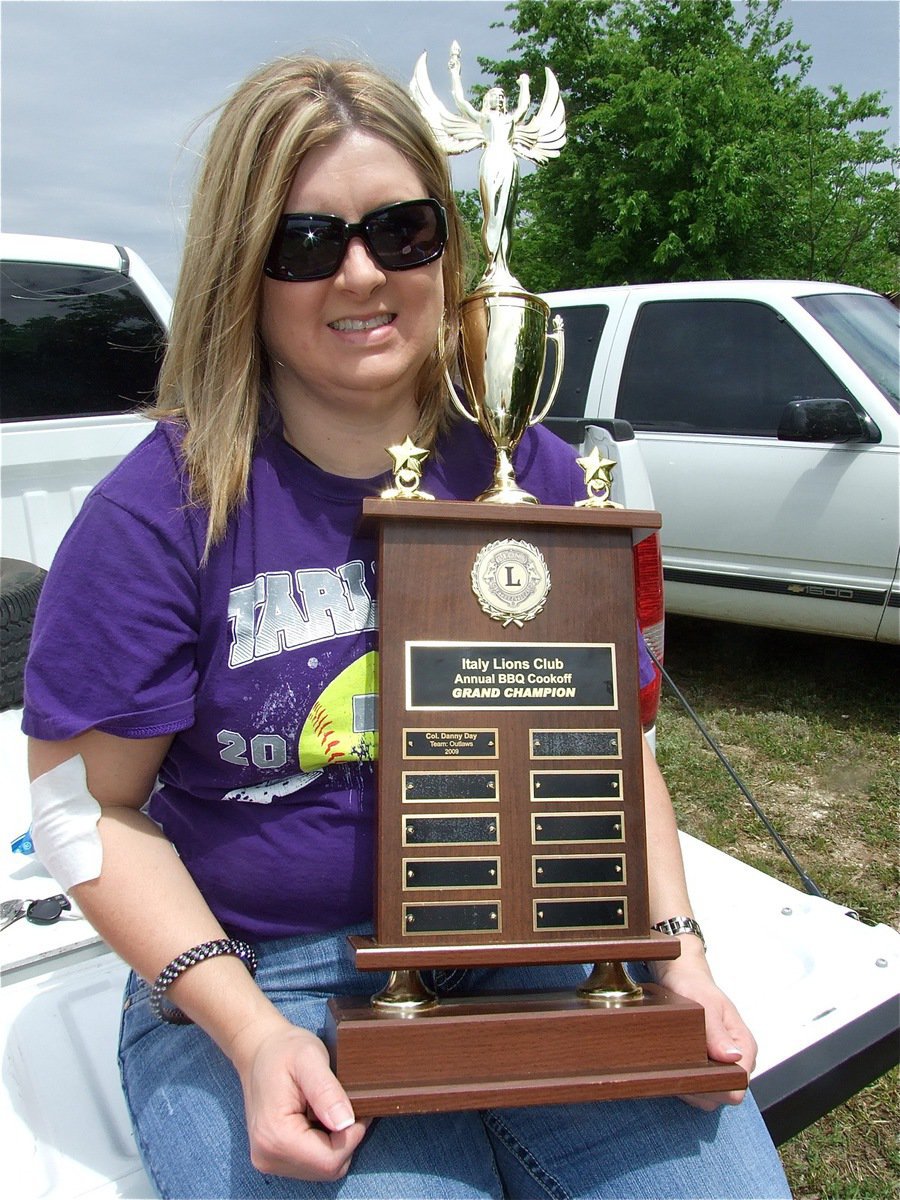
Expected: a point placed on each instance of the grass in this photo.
(810, 724)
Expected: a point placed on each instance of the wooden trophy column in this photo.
(511, 819)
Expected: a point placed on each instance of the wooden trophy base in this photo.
(511, 824)
(514, 1050)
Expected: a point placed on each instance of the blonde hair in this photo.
(215, 372)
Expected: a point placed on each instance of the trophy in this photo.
(503, 328)
(510, 825)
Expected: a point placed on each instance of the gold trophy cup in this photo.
(503, 336)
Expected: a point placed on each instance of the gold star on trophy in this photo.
(598, 481)
(408, 461)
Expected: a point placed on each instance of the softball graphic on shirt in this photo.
(341, 726)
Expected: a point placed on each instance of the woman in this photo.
(210, 591)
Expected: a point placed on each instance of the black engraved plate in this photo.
(450, 743)
(576, 743)
(576, 785)
(578, 827)
(442, 676)
(579, 914)
(455, 830)
(451, 872)
(451, 918)
(579, 869)
(454, 785)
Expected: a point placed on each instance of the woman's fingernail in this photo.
(341, 1116)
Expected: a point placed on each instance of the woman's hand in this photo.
(728, 1040)
(299, 1119)
(148, 908)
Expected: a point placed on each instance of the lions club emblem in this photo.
(511, 581)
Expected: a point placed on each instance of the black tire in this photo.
(20, 587)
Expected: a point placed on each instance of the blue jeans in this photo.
(187, 1109)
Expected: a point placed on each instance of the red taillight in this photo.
(651, 614)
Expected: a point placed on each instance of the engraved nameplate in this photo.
(492, 675)
(576, 743)
(450, 743)
(453, 830)
(451, 918)
(579, 914)
(456, 785)
(578, 827)
(566, 869)
(576, 785)
(451, 872)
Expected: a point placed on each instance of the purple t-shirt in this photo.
(262, 663)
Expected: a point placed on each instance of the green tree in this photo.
(840, 193)
(695, 150)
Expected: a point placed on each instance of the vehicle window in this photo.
(583, 327)
(75, 341)
(717, 366)
(866, 327)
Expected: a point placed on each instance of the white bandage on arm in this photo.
(64, 818)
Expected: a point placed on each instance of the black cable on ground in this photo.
(808, 884)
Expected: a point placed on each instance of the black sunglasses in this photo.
(399, 237)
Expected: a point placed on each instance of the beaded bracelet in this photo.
(177, 967)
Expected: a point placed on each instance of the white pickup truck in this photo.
(767, 416)
(823, 1004)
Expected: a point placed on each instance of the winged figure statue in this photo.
(504, 136)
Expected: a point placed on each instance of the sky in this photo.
(105, 103)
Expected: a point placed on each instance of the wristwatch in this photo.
(676, 925)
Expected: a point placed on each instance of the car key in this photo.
(38, 912)
(10, 911)
(47, 911)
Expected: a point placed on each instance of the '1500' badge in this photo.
(511, 580)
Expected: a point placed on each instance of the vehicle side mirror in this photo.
(825, 421)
